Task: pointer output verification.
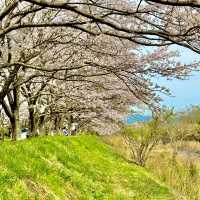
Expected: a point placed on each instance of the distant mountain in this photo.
(137, 118)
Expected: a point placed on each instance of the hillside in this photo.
(74, 168)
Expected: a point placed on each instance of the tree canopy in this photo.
(84, 60)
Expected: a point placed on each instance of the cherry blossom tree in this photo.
(90, 45)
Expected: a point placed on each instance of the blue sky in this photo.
(186, 92)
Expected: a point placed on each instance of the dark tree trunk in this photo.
(12, 111)
(12, 107)
(15, 110)
(14, 122)
(14, 127)
(58, 123)
(32, 122)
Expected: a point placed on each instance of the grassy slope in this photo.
(82, 168)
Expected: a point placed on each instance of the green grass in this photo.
(74, 168)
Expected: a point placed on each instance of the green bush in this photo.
(142, 138)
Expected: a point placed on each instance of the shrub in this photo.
(143, 138)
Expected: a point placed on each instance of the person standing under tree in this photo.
(65, 132)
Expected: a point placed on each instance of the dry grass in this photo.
(118, 143)
(177, 164)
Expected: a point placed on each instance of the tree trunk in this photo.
(70, 122)
(32, 122)
(58, 123)
(15, 110)
(41, 122)
(14, 126)
(12, 111)
(12, 107)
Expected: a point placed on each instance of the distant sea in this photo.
(137, 118)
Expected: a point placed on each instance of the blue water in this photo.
(137, 118)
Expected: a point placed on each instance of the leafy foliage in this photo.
(142, 139)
